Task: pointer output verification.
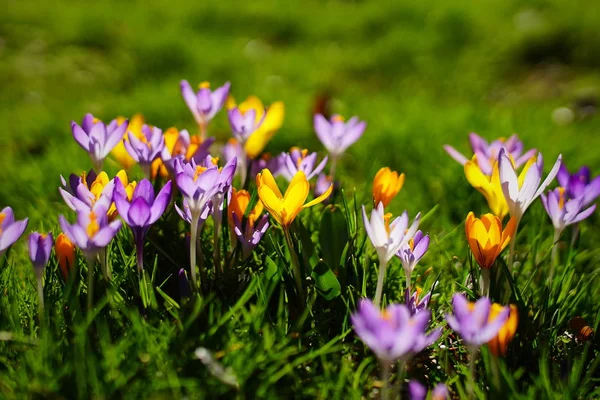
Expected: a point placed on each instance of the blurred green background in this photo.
(422, 74)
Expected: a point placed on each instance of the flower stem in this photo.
(40, 290)
(555, 258)
(139, 250)
(91, 261)
(511, 252)
(380, 279)
(471, 386)
(104, 264)
(193, 240)
(407, 272)
(385, 377)
(332, 167)
(295, 265)
(485, 282)
(203, 131)
(216, 237)
(400, 374)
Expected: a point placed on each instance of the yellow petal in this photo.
(295, 196)
(272, 202)
(266, 178)
(257, 142)
(320, 198)
(523, 173)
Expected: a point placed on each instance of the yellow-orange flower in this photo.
(240, 200)
(499, 344)
(386, 185)
(119, 153)
(65, 253)
(270, 125)
(486, 237)
(285, 208)
(175, 146)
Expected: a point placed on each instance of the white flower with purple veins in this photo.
(300, 160)
(563, 211)
(205, 103)
(519, 197)
(487, 153)
(412, 252)
(97, 138)
(147, 149)
(337, 135)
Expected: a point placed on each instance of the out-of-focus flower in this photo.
(244, 124)
(490, 186)
(412, 252)
(487, 154)
(97, 138)
(299, 160)
(285, 208)
(205, 103)
(386, 185)
(147, 149)
(499, 344)
(413, 302)
(119, 152)
(64, 249)
(337, 135)
(184, 284)
(416, 391)
(141, 210)
(275, 164)
(563, 211)
(10, 230)
(323, 183)
(486, 237)
(250, 232)
(92, 232)
(393, 334)
(579, 184)
(472, 322)
(179, 144)
(520, 194)
(40, 246)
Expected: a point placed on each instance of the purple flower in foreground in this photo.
(412, 252)
(416, 391)
(74, 181)
(244, 124)
(40, 246)
(563, 211)
(413, 302)
(300, 160)
(10, 230)
(393, 334)
(579, 184)
(487, 153)
(147, 149)
(141, 211)
(470, 320)
(97, 138)
(249, 235)
(337, 135)
(204, 103)
(92, 232)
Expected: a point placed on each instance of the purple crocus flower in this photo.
(141, 211)
(337, 135)
(564, 211)
(416, 391)
(322, 185)
(413, 302)
(471, 320)
(82, 197)
(40, 246)
(274, 164)
(300, 160)
(146, 150)
(487, 153)
(74, 181)
(244, 124)
(92, 232)
(180, 149)
(97, 138)
(185, 213)
(184, 284)
(412, 252)
(249, 236)
(579, 184)
(204, 103)
(10, 230)
(393, 334)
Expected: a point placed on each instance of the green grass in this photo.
(422, 74)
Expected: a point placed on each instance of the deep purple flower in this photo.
(145, 150)
(249, 235)
(205, 103)
(97, 138)
(10, 230)
(40, 246)
(412, 252)
(184, 284)
(86, 194)
(74, 181)
(487, 153)
(393, 334)
(564, 211)
(141, 211)
(416, 391)
(92, 232)
(337, 135)
(300, 160)
(244, 124)
(579, 184)
(413, 302)
(470, 320)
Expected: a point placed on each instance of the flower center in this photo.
(337, 118)
(561, 197)
(411, 244)
(93, 227)
(2, 218)
(199, 170)
(386, 219)
(204, 85)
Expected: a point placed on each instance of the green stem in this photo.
(295, 265)
(193, 239)
(511, 252)
(485, 282)
(40, 290)
(332, 164)
(380, 279)
(90, 283)
(555, 259)
(408, 274)
(385, 377)
(471, 386)
(217, 248)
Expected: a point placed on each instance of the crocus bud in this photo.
(40, 246)
(499, 344)
(65, 254)
(386, 185)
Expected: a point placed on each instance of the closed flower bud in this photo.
(65, 253)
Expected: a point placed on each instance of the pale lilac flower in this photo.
(244, 124)
(417, 391)
(40, 247)
(198, 184)
(275, 164)
(97, 138)
(205, 103)
(145, 150)
(301, 160)
(412, 252)
(10, 230)
(487, 153)
(564, 211)
(181, 149)
(413, 302)
(393, 334)
(579, 184)
(322, 184)
(337, 135)
(249, 235)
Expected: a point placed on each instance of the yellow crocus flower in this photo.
(486, 237)
(240, 200)
(499, 344)
(386, 185)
